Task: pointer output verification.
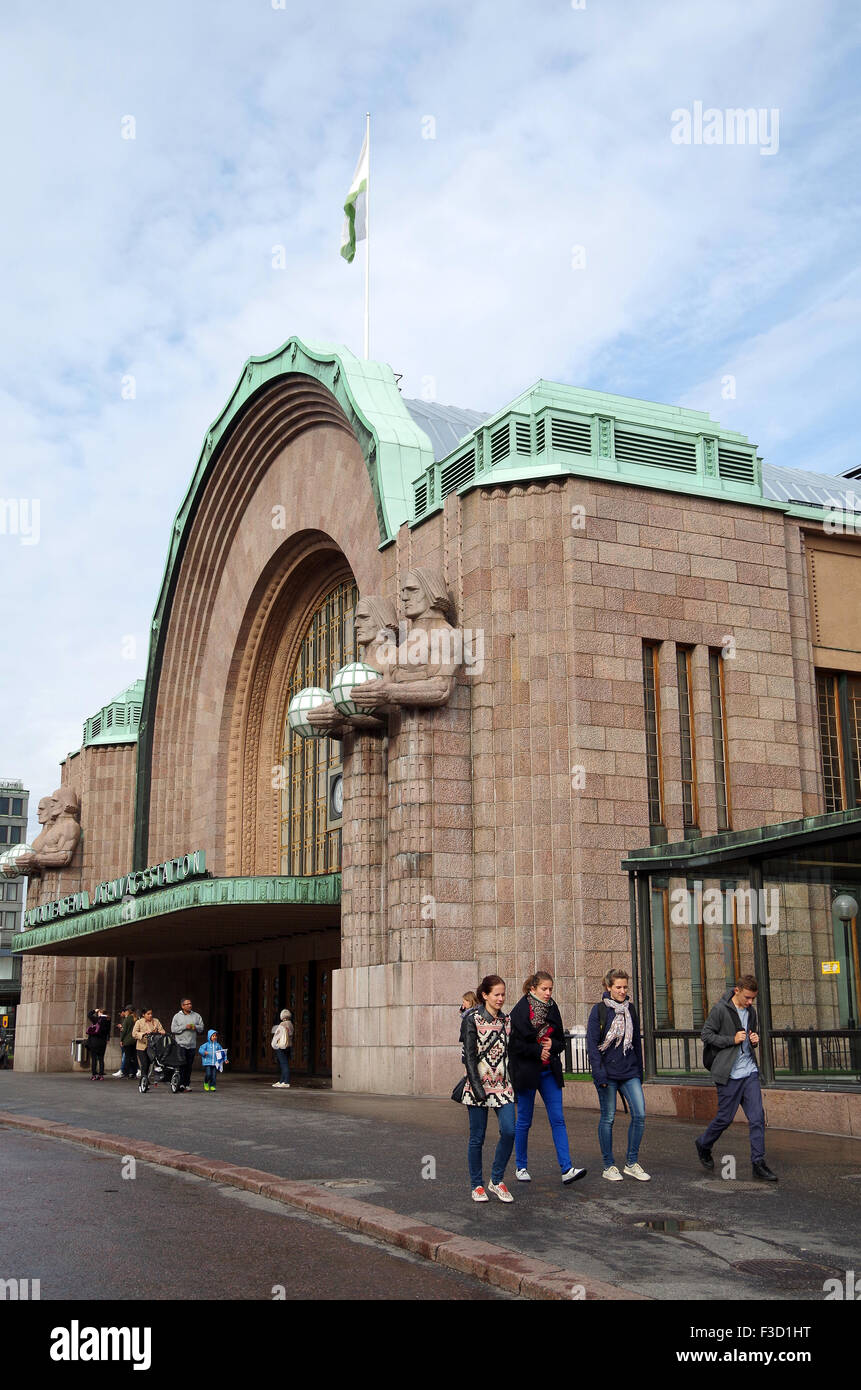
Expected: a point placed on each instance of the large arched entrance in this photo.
(284, 803)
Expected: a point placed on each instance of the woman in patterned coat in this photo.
(484, 1035)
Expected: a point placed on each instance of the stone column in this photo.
(395, 1019)
(362, 850)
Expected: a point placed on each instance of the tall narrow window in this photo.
(697, 939)
(652, 702)
(690, 809)
(719, 740)
(853, 705)
(831, 742)
(662, 955)
(731, 955)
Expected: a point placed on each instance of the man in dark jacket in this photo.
(730, 1035)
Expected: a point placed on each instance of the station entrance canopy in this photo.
(204, 914)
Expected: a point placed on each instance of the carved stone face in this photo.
(45, 810)
(366, 627)
(413, 597)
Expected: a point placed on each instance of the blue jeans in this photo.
(632, 1090)
(283, 1055)
(210, 1076)
(477, 1131)
(746, 1093)
(551, 1094)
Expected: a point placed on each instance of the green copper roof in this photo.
(117, 721)
(556, 430)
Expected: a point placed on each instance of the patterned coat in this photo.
(485, 1050)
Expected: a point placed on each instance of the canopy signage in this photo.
(116, 890)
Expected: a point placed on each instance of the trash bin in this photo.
(79, 1051)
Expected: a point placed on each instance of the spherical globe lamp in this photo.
(312, 697)
(9, 860)
(343, 682)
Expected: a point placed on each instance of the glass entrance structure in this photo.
(780, 902)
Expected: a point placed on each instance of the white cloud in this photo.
(153, 256)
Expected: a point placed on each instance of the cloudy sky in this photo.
(532, 215)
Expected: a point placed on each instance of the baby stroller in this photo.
(166, 1060)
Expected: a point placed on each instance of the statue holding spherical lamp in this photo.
(60, 814)
(429, 654)
(376, 627)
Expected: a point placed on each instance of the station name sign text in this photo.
(116, 890)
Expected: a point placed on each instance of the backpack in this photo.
(280, 1038)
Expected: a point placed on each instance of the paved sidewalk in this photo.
(721, 1239)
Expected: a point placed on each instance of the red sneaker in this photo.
(479, 1195)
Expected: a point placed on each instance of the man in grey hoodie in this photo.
(730, 1035)
(185, 1027)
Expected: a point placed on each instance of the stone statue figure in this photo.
(376, 624)
(430, 654)
(53, 848)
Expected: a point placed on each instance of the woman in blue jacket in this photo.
(616, 1059)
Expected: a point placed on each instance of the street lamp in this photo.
(846, 908)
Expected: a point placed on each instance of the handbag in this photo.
(457, 1093)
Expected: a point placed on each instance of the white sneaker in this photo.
(117, 1073)
(522, 1175)
(479, 1195)
(633, 1170)
(500, 1190)
(276, 1085)
(572, 1175)
(612, 1174)
(137, 1076)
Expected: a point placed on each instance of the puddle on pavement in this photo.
(672, 1226)
(348, 1182)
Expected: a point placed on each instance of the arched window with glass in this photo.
(308, 844)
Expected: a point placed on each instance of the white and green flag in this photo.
(356, 207)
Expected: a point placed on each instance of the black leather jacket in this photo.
(469, 1042)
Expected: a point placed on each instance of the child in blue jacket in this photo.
(213, 1056)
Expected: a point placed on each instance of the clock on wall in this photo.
(335, 810)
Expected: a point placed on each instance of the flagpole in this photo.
(368, 237)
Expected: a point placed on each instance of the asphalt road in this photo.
(749, 1241)
(85, 1232)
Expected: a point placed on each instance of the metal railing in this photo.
(576, 1056)
(679, 1051)
(833, 1053)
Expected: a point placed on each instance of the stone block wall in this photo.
(57, 992)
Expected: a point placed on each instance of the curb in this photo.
(492, 1264)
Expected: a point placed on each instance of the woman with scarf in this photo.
(616, 1059)
(484, 1036)
(537, 1039)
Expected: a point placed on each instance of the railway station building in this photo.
(618, 722)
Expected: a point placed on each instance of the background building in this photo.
(13, 831)
(670, 646)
